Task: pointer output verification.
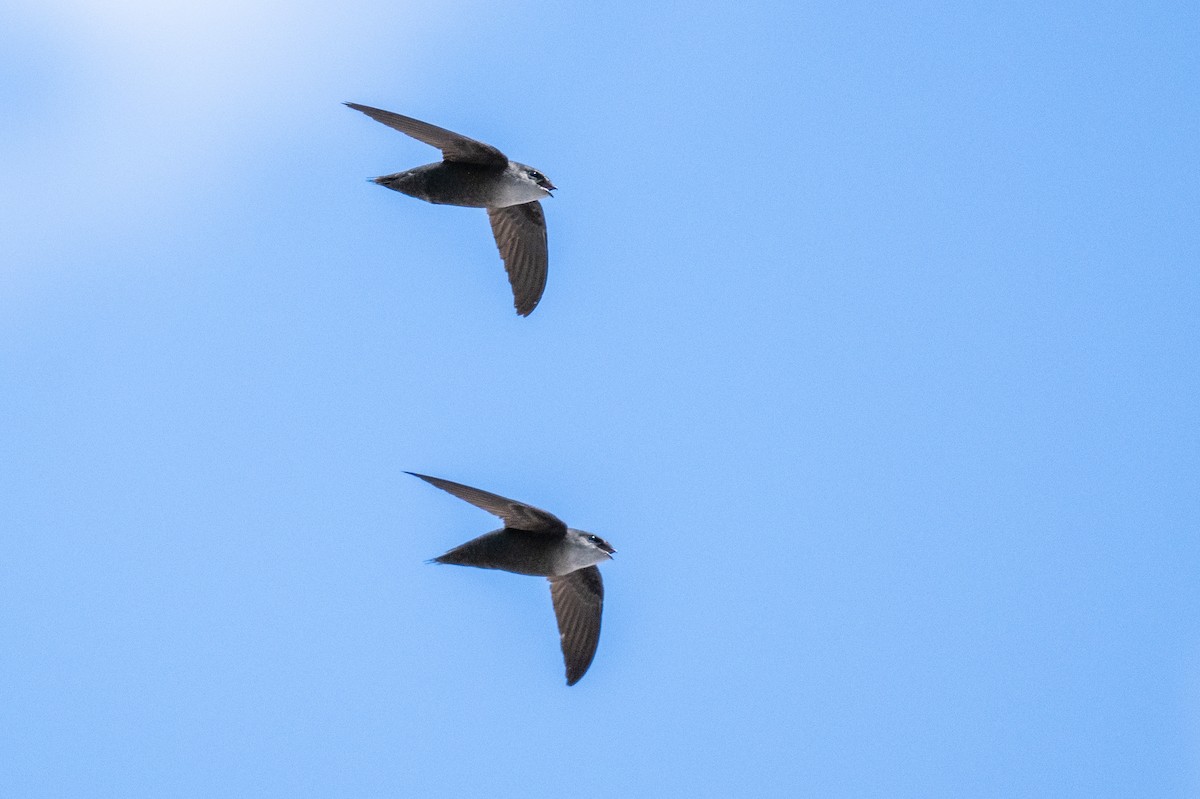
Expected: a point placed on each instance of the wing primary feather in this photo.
(578, 600)
(454, 146)
(517, 515)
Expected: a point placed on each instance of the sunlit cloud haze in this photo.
(131, 118)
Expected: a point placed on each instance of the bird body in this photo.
(470, 185)
(513, 551)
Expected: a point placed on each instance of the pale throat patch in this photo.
(518, 188)
(578, 553)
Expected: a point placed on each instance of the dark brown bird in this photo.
(537, 542)
(477, 175)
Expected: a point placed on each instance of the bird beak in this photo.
(548, 186)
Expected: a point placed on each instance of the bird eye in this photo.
(594, 539)
(533, 173)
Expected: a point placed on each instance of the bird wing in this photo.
(515, 514)
(578, 600)
(454, 146)
(520, 232)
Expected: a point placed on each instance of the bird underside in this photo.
(443, 183)
(509, 550)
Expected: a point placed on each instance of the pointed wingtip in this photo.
(431, 480)
(525, 308)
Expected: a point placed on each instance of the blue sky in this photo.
(870, 341)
